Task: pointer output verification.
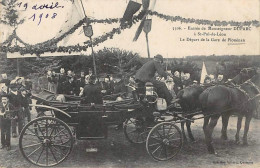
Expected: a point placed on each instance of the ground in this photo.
(116, 151)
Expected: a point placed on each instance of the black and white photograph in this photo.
(130, 83)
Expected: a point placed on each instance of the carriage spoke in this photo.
(163, 131)
(52, 131)
(39, 128)
(34, 151)
(47, 156)
(144, 132)
(159, 134)
(174, 139)
(58, 133)
(156, 149)
(46, 127)
(165, 151)
(160, 152)
(154, 144)
(156, 138)
(170, 135)
(40, 155)
(132, 131)
(28, 146)
(59, 151)
(53, 155)
(169, 130)
(35, 134)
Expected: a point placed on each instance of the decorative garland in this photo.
(203, 21)
(51, 45)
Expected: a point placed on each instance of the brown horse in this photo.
(189, 100)
(223, 101)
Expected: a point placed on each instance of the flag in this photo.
(203, 73)
(147, 5)
(131, 9)
(73, 17)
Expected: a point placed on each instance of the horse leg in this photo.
(247, 123)
(239, 122)
(188, 123)
(225, 118)
(209, 130)
(183, 132)
(205, 124)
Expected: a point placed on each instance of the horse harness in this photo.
(248, 96)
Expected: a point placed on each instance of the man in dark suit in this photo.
(147, 72)
(7, 113)
(92, 92)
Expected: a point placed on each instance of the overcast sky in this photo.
(162, 38)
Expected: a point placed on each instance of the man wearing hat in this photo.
(7, 113)
(92, 92)
(147, 72)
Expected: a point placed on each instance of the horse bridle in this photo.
(254, 86)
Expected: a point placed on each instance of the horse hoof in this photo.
(192, 140)
(245, 144)
(238, 142)
(224, 138)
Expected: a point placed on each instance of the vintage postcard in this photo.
(128, 83)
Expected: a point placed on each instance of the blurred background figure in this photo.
(80, 82)
(61, 81)
(220, 80)
(195, 83)
(207, 80)
(186, 80)
(52, 82)
(177, 82)
(90, 73)
(212, 78)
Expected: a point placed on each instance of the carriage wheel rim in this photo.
(46, 145)
(163, 143)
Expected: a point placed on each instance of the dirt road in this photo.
(124, 154)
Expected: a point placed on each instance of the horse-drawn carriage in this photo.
(48, 140)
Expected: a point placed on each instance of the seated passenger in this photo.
(92, 92)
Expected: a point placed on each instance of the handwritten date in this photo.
(41, 16)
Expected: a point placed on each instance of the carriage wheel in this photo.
(136, 130)
(46, 141)
(164, 141)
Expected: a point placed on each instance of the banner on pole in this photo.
(88, 31)
(147, 25)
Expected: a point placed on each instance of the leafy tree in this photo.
(10, 14)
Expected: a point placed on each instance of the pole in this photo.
(18, 66)
(17, 62)
(93, 57)
(147, 43)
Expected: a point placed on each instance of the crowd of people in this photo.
(84, 85)
(15, 94)
(15, 100)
